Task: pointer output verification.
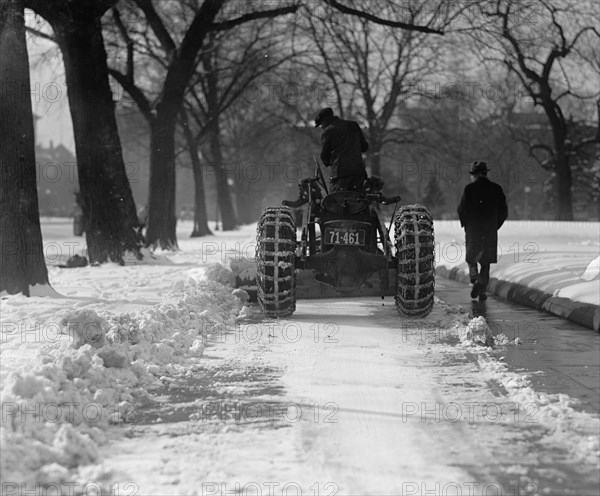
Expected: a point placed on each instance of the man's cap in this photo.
(478, 167)
(324, 113)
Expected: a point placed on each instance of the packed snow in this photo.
(78, 369)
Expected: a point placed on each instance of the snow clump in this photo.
(477, 332)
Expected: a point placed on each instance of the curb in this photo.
(585, 314)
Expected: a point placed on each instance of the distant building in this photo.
(57, 179)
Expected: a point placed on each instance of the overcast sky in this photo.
(48, 91)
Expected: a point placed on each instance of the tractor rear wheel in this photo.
(275, 262)
(415, 253)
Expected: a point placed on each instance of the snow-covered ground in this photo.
(559, 258)
(154, 378)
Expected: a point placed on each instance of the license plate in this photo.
(345, 236)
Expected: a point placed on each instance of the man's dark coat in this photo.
(482, 211)
(342, 145)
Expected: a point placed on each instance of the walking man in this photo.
(342, 146)
(482, 211)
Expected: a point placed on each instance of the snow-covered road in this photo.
(154, 379)
(344, 398)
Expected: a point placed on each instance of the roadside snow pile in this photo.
(220, 273)
(56, 410)
(229, 275)
(565, 425)
(502, 340)
(477, 332)
(244, 269)
(469, 331)
(578, 431)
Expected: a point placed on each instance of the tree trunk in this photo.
(374, 153)
(564, 180)
(562, 167)
(375, 162)
(162, 221)
(228, 217)
(246, 200)
(21, 251)
(161, 204)
(200, 215)
(226, 209)
(109, 209)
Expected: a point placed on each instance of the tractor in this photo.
(337, 244)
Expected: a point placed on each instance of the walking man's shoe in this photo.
(482, 296)
(475, 290)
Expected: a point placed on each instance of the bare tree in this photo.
(109, 209)
(181, 60)
(21, 253)
(213, 130)
(547, 45)
(200, 214)
(373, 70)
(231, 66)
(370, 65)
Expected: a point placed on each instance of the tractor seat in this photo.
(345, 202)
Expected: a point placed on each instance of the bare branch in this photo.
(128, 41)
(532, 75)
(158, 26)
(40, 34)
(264, 14)
(136, 94)
(378, 20)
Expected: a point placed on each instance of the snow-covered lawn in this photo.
(559, 258)
(79, 370)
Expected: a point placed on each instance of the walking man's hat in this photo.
(323, 114)
(478, 167)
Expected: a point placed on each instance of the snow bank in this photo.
(558, 258)
(592, 271)
(93, 374)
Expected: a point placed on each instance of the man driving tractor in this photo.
(342, 146)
